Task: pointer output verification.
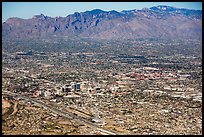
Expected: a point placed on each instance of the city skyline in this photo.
(27, 10)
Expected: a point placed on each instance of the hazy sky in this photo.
(26, 10)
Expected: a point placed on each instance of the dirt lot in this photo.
(5, 106)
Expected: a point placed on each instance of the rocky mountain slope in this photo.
(156, 22)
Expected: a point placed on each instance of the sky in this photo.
(27, 10)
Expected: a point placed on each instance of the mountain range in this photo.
(156, 22)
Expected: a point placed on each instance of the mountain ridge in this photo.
(155, 22)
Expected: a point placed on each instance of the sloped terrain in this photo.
(156, 22)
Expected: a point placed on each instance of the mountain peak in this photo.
(163, 8)
(145, 9)
(95, 11)
(128, 11)
(41, 16)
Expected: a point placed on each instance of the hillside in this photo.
(156, 22)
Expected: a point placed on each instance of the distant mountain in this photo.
(156, 22)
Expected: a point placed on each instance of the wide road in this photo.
(68, 115)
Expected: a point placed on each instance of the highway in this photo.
(68, 115)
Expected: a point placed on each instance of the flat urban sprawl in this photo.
(72, 86)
